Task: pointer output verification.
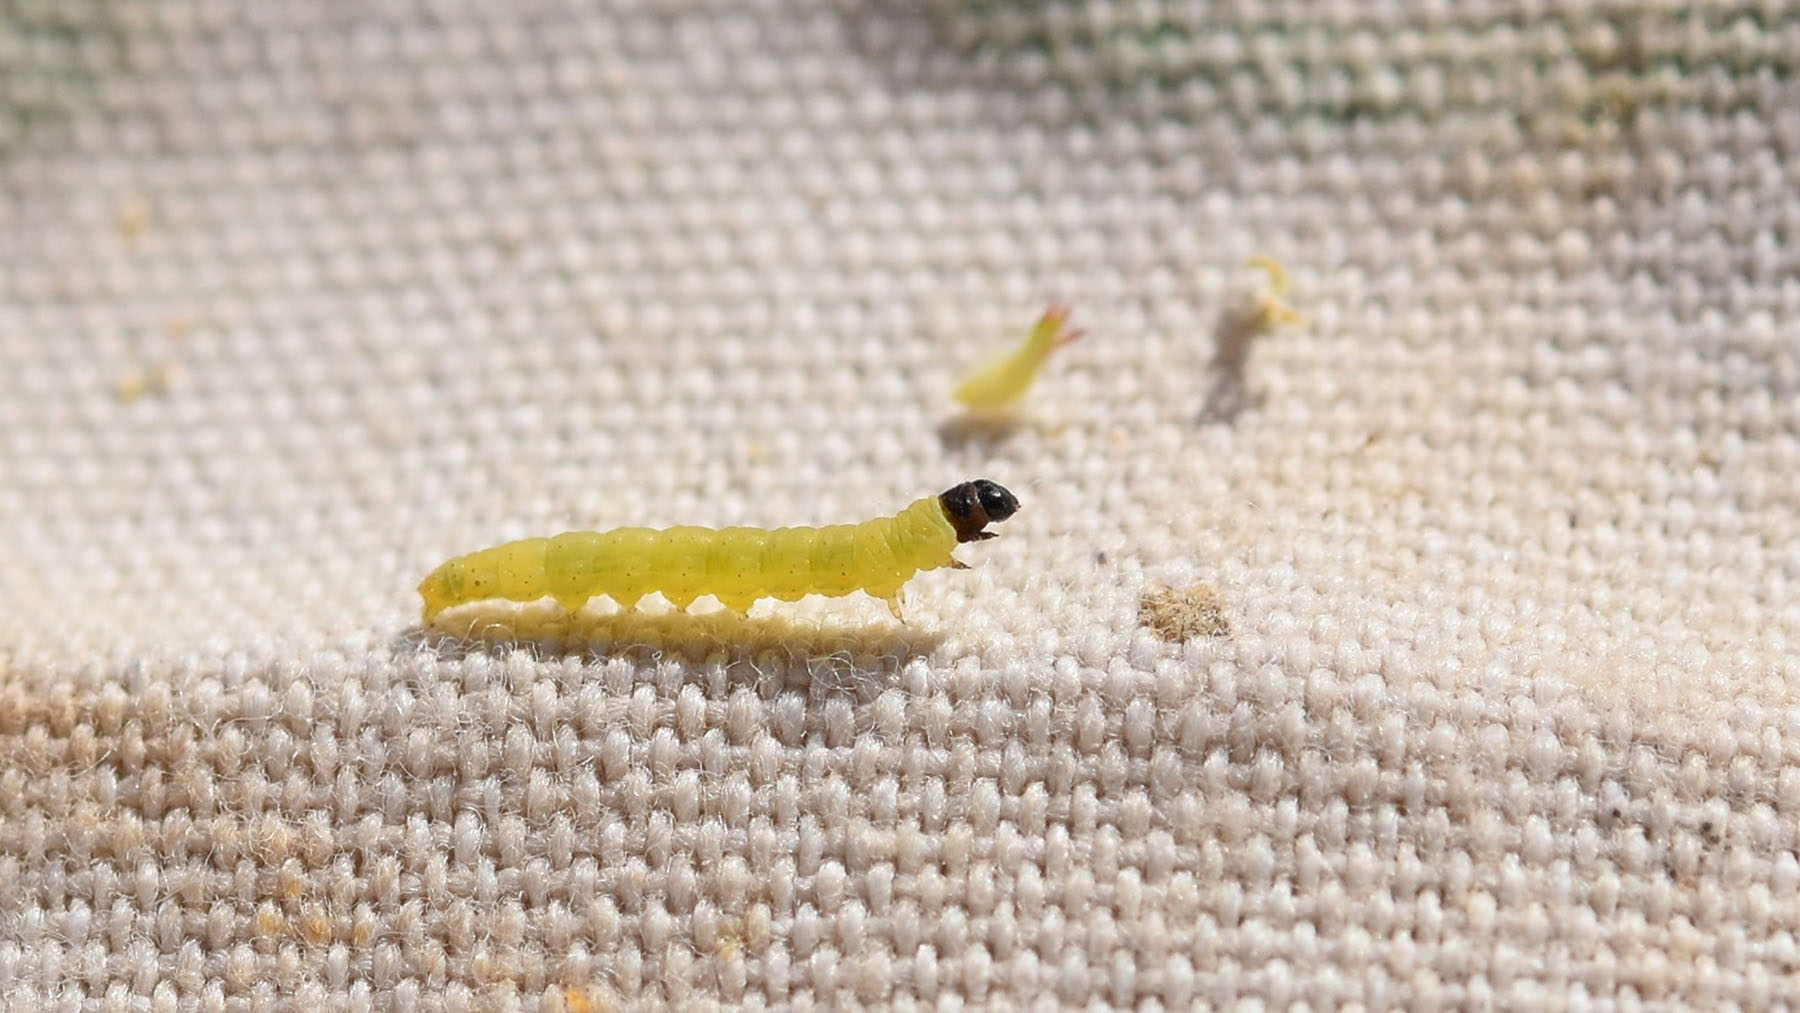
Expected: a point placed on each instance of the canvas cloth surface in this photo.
(298, 299)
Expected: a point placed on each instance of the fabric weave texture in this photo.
(1491, 700)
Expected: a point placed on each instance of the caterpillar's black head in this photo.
(972, 506)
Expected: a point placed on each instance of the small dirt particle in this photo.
(1178, 614)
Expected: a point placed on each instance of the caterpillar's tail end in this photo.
(436, 591)
(429, 611)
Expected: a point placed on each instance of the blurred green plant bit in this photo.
(998, 384)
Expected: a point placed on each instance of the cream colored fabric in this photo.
(298, 299)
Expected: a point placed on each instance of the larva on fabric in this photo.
(738, 566)
(997, 384)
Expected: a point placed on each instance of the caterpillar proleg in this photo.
(738, 566)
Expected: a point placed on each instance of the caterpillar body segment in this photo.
(738, 566)
(996, 384)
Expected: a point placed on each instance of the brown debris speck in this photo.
(1178, 614)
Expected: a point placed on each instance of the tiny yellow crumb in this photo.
(133, 218)
(1178, 614)
(179, 326)
(269, 922)
(314, 925)
(579, 1000)
(292, 886)
(137, 383)
(131, 387)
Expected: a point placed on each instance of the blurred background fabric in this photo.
(1494, 697)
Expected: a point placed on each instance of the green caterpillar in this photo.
(738, 566)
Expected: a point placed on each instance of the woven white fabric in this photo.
(297, 299)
